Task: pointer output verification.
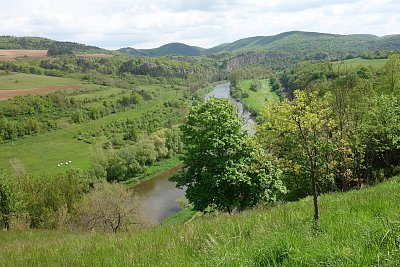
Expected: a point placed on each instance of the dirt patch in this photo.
(22, 53)
(8, 94)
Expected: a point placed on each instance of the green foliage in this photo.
(355, 231)
(299, 133)
(8, 204)
(222, 170)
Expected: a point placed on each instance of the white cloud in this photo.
(150, 23)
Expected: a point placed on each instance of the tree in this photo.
(223, 170)
(110, 208)
(299, 132)
(7, 200)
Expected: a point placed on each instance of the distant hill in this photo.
(178, 49)
(297, 41)
(310, 45)
(54, 47)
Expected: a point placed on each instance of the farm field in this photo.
(18, 81)
(20, 84)
(43, 152)
(256, 100)
(13, 54)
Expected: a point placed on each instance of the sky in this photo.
(113, 24)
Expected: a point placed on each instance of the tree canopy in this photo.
(223, 169)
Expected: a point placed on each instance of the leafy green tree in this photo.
(222, 169)
(7, 200)
(389, 81)
(299, 133)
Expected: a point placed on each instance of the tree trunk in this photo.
(315, 194)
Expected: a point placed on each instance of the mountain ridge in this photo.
(282, 42)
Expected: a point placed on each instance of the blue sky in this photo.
(206, 23)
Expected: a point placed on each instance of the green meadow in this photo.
(357, 228)
(257, 100)
(354, 62)
(28, 81)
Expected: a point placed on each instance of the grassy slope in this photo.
(352, 63)
(43, 152)
(358, 228)
(256, 100)
(27, 81)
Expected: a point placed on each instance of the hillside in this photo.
(37, 43)
(168, 49)
(358, 228)
(320, 45)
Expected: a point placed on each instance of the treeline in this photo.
(119, 71)
(37, 43)
(340, 131)
(75, 200)
(131, 160)
(124, 131)
(35, 114)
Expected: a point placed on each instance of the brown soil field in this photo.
(8, 94)
(13, 54)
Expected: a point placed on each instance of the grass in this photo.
(43, 152)
(257, 100)
(358, 228)
(180, 217)
(354, 62)
(28, 81)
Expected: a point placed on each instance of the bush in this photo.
(110, 208)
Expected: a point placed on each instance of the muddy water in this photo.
(160, 194)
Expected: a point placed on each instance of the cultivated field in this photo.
(8, 94)
(13, 54)
(23, 84)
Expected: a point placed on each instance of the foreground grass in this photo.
(358, 228)
(257, 100)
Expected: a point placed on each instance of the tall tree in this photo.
(299, 133)
(222, 169)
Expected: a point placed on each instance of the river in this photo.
(160, 194)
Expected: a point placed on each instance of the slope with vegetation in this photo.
(357, 228)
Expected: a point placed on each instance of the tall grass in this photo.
(358, 228)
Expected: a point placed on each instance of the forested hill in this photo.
(38, 43)
(316, 45)
(168, 49)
